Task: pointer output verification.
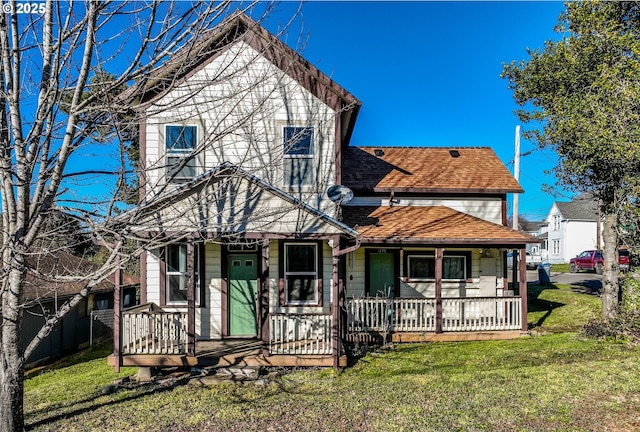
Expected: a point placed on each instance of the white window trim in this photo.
(313, 302)
(181, 153)
(287, 157)
(182, 275)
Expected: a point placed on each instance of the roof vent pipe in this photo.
(378, 152)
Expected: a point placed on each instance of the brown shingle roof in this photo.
(430, 225)
(427, 170)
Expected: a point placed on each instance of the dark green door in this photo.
(381, 274)
(243, 290)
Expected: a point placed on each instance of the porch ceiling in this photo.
(431, 225)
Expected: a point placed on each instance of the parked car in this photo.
(594, 260)
(533, 260)
(624, 261)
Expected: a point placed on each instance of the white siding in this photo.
(482, 283)
(241, 101)
(580, 236)
(212, 313)
(355, 274)
(235, 206)
(489, 209)
(153, 277)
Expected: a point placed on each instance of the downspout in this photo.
(340, 252)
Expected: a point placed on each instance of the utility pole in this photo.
(515, 252)
(516, 175)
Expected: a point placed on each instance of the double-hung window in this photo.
(301, 274)
(423, 267)
(181, 141)
(298, 156)
(176, 273)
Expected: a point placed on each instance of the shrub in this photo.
(625, 326)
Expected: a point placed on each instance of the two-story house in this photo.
(572, 227)
(265, 225)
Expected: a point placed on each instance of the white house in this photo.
(572, 227)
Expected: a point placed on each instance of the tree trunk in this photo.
(11, 360)
(610, 285)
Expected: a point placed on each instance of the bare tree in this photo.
(63, 69)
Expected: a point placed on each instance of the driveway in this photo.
(590, 281)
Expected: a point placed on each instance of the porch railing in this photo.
(154, 332)
(300, 334)
(419, 314)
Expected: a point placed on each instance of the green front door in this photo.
(382, 274)
(243, 290)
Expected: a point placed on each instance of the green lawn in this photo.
(556, 382)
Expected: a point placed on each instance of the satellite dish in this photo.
(340, 194)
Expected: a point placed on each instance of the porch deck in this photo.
(154, 338)
(226, 353)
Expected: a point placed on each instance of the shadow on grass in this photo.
(587, 286)
(536, 304)
(90, 406)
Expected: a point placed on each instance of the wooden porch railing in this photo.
(300, 334)
(154, 332)
(418, 314)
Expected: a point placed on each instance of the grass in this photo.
(556, 382)
(561, 308)
(562, 268)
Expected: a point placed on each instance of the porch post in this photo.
(335, 305)
(117, 311)
(515, 270)
(263, 299)
(523, 288)
(191, 301)
(439, 254)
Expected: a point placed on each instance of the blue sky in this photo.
(428, 73)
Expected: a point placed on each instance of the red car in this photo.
(593, 260)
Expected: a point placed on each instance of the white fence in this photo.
(300, 333)
(154, 332)
(419, 314)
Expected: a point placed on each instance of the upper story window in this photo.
(181, 141)
(298, 155)
(556, 222)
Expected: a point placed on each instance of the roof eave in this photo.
(414, 190)
(449, 241)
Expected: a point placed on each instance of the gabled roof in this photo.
(580, 209)
(427, 170)
(224, 171)
(437, 225)
(214, 42)
(529, 226)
